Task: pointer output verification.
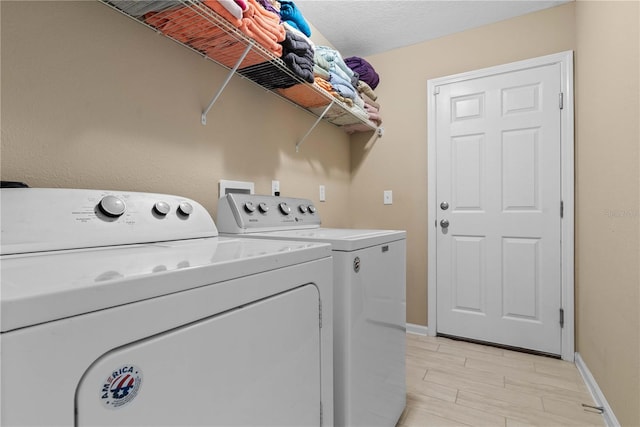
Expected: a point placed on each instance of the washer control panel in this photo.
(243, 213)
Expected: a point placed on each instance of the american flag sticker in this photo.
(121, 386)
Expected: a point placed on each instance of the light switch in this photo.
(388, 197)
(322, 194)
(275, 188)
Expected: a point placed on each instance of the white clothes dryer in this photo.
(127, 309)
(369, 300)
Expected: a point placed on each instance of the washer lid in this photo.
(42, 287)
(341, 239)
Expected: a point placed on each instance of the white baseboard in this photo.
(609, 417)
(416, 329)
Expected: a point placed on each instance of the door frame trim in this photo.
(565, 59)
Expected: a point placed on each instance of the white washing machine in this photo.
(369, 300)
(126, 309)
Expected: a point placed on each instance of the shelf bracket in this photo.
(226, 82)
(320, 117)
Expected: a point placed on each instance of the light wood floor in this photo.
(455, 383)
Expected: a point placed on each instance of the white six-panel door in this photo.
(499, 171)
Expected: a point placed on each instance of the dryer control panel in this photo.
(250, 213)
(46, 219)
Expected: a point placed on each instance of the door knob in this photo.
(444, 206)
(444, 223)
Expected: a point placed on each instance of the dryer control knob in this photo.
(303, 209)
(162, 208)
(112, 206)
(249, 207)
(284, 208)
(312, 209)
(264, 208)
(185, 208)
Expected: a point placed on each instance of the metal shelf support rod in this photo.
(313, 127)
(226, 82)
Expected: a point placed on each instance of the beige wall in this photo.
(91, 99)
(607, 200)
(398, 160)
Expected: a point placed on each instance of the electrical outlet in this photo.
(388, 197)
(322, 194)
(275, 188)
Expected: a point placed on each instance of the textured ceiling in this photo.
(367, 27)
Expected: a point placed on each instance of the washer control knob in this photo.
(161, 208)
(112, 206)
(303, 209)
(185, 208)
(312, 209)
(249, 207)
(263, 207)
(284, 208)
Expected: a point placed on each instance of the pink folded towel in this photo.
(243, 4)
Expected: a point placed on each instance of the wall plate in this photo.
(226, 186)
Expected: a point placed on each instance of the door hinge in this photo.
(562, 317)
(561, 101)
(561, 209)
(436, 90)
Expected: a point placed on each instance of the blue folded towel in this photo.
(290, 14)
(342, 86)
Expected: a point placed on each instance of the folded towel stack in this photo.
(290, 14)
(365, 70)
(257, 22)
(330, 60)
(298, 55)
(187, 26)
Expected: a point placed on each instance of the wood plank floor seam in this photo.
(456, 383)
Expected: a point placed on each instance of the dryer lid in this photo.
(47, 286)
